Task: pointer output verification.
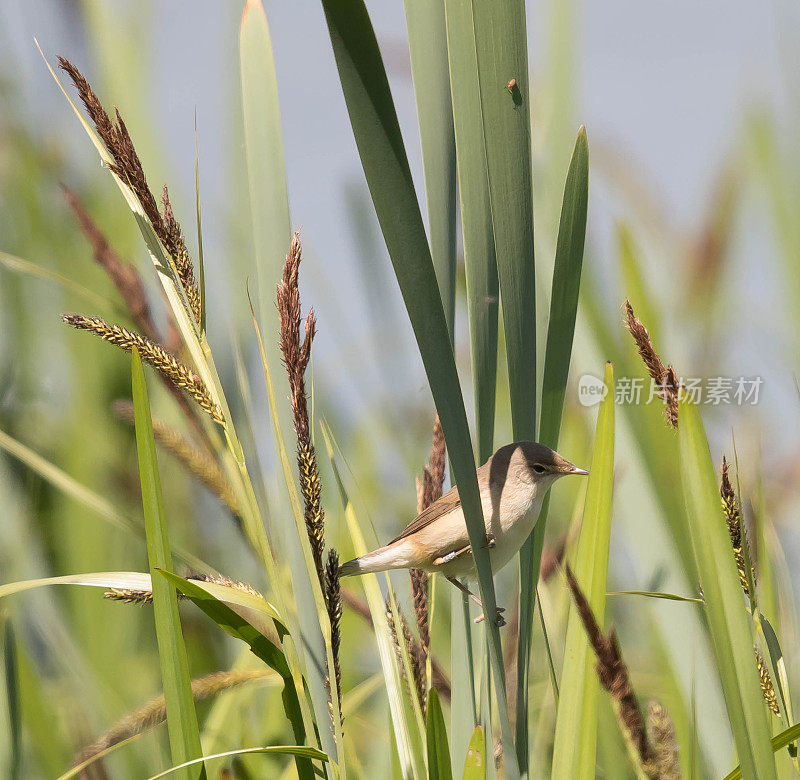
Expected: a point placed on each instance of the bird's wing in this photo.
(447, 503)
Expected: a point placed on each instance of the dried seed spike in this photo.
(664, 376)
(733, 519)
(124, 276)
(296, 356)
(154, 354)
(414, 654)
(662, 734)
(613, 675)
(154, 711)
(767, 687)
(333, 600)
(176, 246)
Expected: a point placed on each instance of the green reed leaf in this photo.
(475, 762)
(438, 749)
(184, 735)
(575, 745)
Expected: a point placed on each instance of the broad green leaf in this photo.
(728, 621)
(12, 701)
(184, 735)
(428, 47)
(560, 331)
(782, 740)
(475, 762)
(290, 750)
(240, 628)
(383, 157)
(438, 749)
(575, 745)
(480, 265)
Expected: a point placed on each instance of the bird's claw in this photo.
(499, 620)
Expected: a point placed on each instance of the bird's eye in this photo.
(538, 468)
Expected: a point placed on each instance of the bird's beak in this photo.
(576, 470)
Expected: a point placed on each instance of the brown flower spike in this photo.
(664, 376)
(154, 354)
(128, 167)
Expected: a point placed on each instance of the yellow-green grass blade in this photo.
(266, 168)
(575, 744)
(728, 621)
(463, 707)
(411, 761)
(313, 624)
(480, 265)
(779, 741)
(656, 595)
(427, 43)
(778, 665)
(383, 157)
(28, 268)
(475, 761)
(560, 331)
(289, 750)
(10, 667)
(237, 626)
(84, 495)
(184, 735)
(438, 750)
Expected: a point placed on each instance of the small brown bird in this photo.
(513, 483)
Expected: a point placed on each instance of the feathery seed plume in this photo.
(665, 744)
(664, 376)
(128, 167)
(296, 355)
(154, 354)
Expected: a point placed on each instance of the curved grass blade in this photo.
(290, 750)
(383, 157)
(411, 761)
(575, 745)
(83, 495)
(560, 332)
(475, 762)
(782, 740)
(656, 595)
(240, 628)
(184, 735)
(728, 621)
(438, 749)
(28, 268)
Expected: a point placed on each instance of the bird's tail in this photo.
(390, 557)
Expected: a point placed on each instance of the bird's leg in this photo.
(451, 556)
(464, 589)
